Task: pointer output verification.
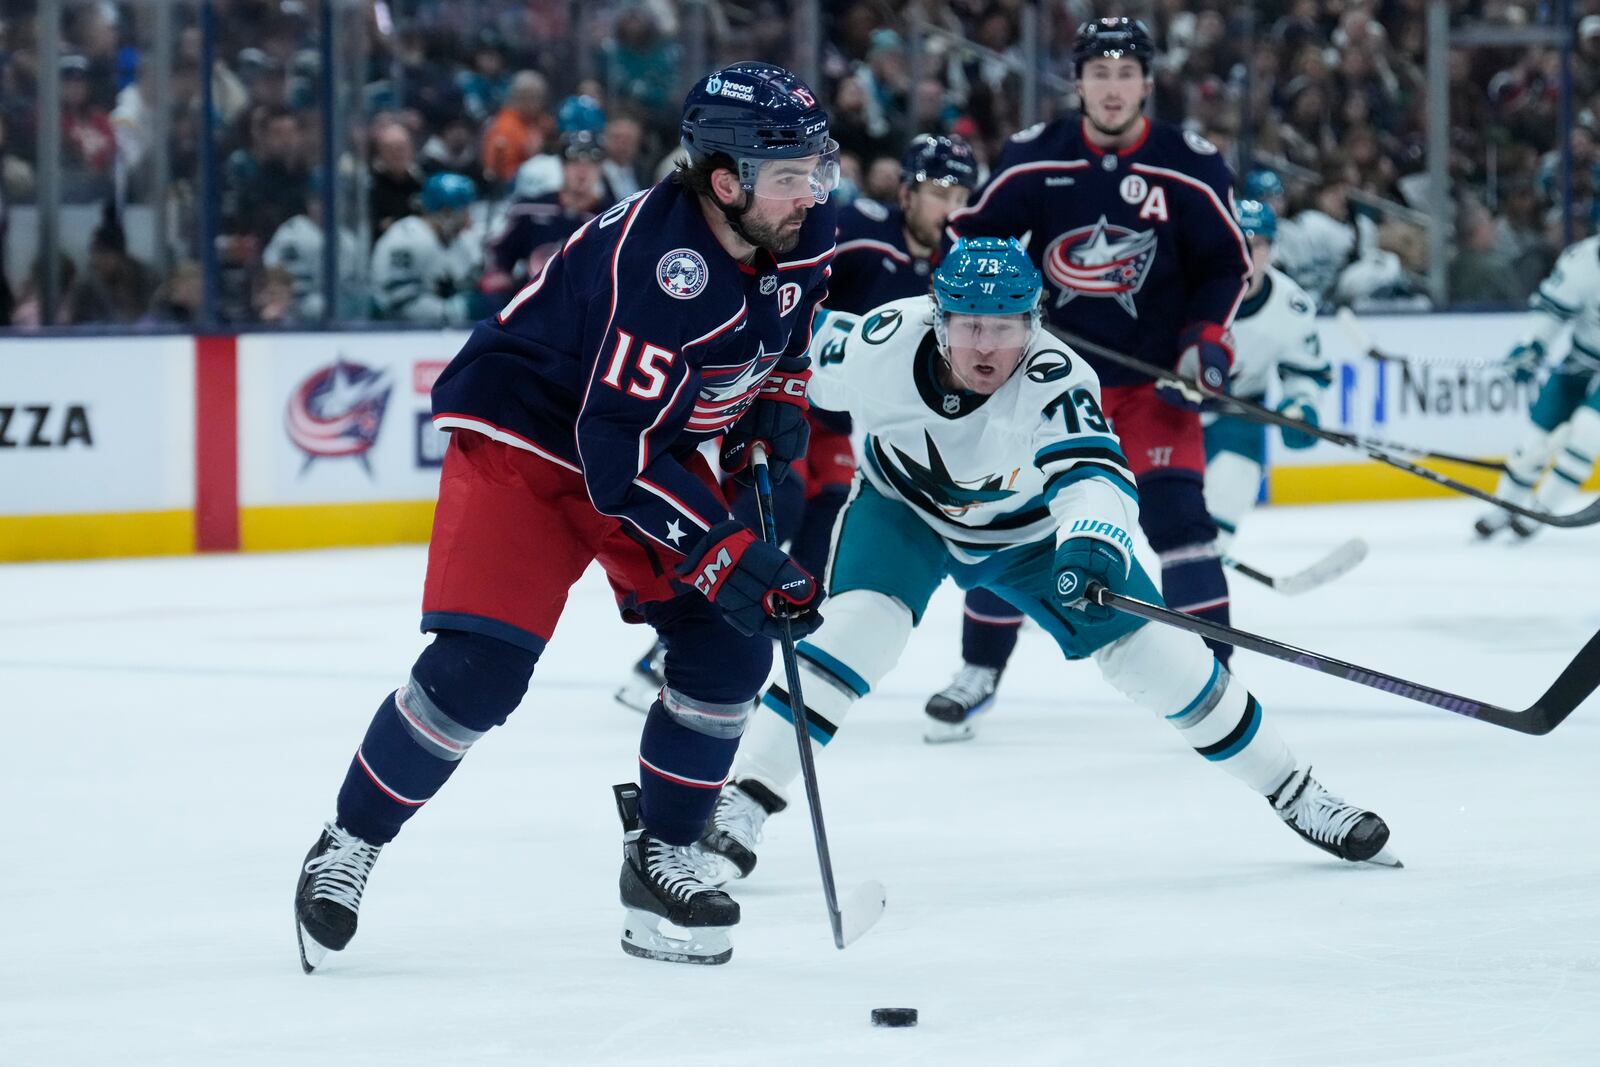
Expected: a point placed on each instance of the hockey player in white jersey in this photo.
(988, 459)
(1566, 415)
(425, 267)
(296, 246)
(1274, 333)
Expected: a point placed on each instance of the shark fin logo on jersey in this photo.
(1051, 365)
(682, 274)
(935, 484)
(1101, 260)
(880, 327)
(338, 411)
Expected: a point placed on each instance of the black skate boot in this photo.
(950, 710)
(327, 899)
(1524, 528)
(659, 884)
(727, 850)
(644, 680)
(1325, 820)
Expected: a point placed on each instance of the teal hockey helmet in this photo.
(987, 276)
(1257, 219)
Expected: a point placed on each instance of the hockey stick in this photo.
(867, 901)
(1340, 561)
(1586, 516)
(1580, 678)
(1359, 337)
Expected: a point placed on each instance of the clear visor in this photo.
(792, 179)
(988, 333)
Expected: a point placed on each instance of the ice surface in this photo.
(1074, 886)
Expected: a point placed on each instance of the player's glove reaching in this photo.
(754, 584)
(1305, 412)
(777, 419)
(1207, 360)
(1080, 560)
(1524, 361)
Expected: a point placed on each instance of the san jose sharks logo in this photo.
(338, 411)
(1101, 260)
(934, 482)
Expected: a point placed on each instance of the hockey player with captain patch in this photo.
(1565, 430)
(988, 459)
(1131, 222)
(680, 316)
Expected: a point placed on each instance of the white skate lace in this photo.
(340, 874)
(1320, 814)
(740, 816)
(672, 867)
(971, 685)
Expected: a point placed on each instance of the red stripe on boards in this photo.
(216, 444)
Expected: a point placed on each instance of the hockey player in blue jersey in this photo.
(535, 227)
(884, 253)
(1131, 222)
(680, 316)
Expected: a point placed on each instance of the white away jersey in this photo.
(416, 278)
(1275, 331)
(986, 473)
(1571, 295)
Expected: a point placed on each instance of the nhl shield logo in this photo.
(682, 274)
(769, 284)
(1101, 260)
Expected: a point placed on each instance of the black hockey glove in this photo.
(752, 583)
(1207, 360)
(777, 419)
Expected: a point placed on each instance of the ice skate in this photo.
(644, 680)
(670, 913)
(1325, 820)
(1524, 528)
(327, 899)
(727, 849)
(950, 711)
(1491, 523)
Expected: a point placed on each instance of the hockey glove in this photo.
(1207, 360)
(1524, 361)
(1080, 560)
(1297, 409)
(777, 419)
(753, 584)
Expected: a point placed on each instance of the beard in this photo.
(926, 235)
(773, 236)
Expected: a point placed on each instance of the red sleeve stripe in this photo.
(866, 244)
(688, 512)
(1012, 172)
(696, 783)
(796, 264)
(451, 421)
(1227, 220)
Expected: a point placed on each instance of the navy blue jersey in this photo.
(639, 341)
(1135, 246)
(873, 265)
(532, 224)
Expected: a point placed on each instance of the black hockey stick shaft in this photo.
(797, 702)
(1580, 678)
(1358, 336)
(1250, 572)
(1586, 516)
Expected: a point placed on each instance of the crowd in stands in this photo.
(553, 109)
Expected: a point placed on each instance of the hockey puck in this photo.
(894, 1016)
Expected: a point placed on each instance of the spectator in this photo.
(179, 300)
(425, 268)
(268, 180)
(623, 138)
(296, 247)
(454, 148)
(29, 311)
(116, 288)
(860, 130)
(272, 298)
(638, 67)
(1479, 272)
(396, 180)
(484, 86)
(534, 228)
(88, 144)
(883, 180)
(520, 129)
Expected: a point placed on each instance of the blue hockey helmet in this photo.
(446, 192)
(987, 276)
(1262, 183)
(1257, 219)
(580, 113)
(579, 145)
(757, 114)
(948, 160)
(1113, 38)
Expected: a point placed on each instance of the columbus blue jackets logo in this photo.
(682, 273)
(1101, 260)
(338, 411)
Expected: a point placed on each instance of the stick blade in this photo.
(860, 912)
(1573, 687)
(1340, 561)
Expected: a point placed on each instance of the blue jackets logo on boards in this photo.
(337, 411)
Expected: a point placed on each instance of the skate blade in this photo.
(650, 937)
(935, 732)
(861, 911)
(1384, 858)
(312, 951)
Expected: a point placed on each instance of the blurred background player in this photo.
(425, 267)
(884, 253)
(989, 460)
(1131, 222)
(296, 246)
(1274, 332)
(1566, 416)
(535, 227)
(575, 419)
